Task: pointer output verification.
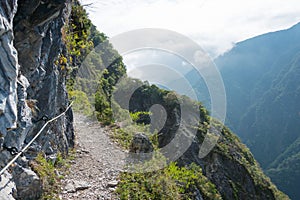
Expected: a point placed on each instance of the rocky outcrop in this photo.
(32, 86)
(141, 148)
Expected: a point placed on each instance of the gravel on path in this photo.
(98, 161)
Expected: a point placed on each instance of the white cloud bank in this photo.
(214, 24)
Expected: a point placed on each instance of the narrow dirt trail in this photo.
(93, 173)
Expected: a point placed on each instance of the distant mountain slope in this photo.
(287, 165)
(262, 80)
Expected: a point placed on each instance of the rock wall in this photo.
(32, 86)
(8, 69)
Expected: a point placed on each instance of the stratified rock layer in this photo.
(32, 86)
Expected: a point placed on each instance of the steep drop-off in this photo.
(229, 166)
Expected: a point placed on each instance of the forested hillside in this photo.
(261, 77)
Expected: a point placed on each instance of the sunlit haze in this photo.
(214, 24)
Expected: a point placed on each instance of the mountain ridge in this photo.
(267, 34)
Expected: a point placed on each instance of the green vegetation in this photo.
(76, 36)
(172, 182)
(92, 65)
(138, 116)
(81, 102)
(110, 76)
(48, 172)
(285, 170)
(230, 146)
(125, 134)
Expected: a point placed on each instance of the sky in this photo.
(216, 25)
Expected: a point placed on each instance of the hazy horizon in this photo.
(215, 25)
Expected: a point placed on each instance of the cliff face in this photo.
(32, 86)
(9, 69)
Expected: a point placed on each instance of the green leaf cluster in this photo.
(136, 116)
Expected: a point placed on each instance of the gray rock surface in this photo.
(141, 148)
(8, 68)
(38, 40)
(141, 144)
(5, 157)
(81, 185)
(112, 183)
(70, 188)
(7, 187)
(15, 138)
(28, 184)
(31, 85)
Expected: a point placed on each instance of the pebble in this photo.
(81, 185)
(69, 188)
(112, 184)
(85, 151)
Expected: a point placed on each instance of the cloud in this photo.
(214, 24)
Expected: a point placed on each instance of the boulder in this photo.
(141, 144)
(141, 148)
